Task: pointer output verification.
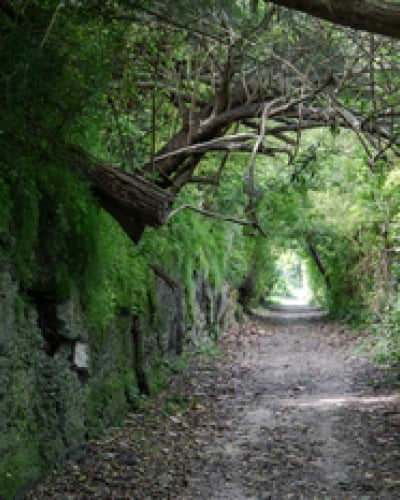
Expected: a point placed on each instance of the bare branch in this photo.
(220, 142)
(264, 116)
(354, 123)
(215, 215)
(246, 148)
(203, 180)
(185, 172)
(51, 24)
(159, 271)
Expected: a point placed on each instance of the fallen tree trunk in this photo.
(133, 201)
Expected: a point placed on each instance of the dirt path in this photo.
(306, 421)
(290, 413)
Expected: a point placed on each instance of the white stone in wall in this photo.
(81, 355)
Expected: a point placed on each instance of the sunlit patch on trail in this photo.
(350, 401)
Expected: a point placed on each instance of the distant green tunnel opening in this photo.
(293, 285)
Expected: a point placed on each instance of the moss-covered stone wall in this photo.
(62, 383)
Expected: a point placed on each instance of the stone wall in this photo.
(61, 383)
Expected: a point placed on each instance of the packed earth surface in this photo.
(290, 409)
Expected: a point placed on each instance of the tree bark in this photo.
(247, 289)
(133, 201)
(376, 16)
(318, 261)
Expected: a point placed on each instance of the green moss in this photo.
(132, 393)
(20, 459)
(107, 405)
(209, 349)
(20, 463)
(164, 368)
(113, 386)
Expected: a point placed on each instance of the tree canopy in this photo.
(165, 107)
(227, 78)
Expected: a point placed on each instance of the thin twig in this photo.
(51, 24)
(264, 116)
(215, 215)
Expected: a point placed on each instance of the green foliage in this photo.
(164, 368)
(106, 405)
(386, 338)
(75, 73)
(54, 91)
(209, 350)
(21, 467)
(118, 276)
(59, 242)
(49, 219)
(189, 246)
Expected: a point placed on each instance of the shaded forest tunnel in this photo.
(167, 168)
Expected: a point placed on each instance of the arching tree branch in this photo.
(375, 16)
(216, 215)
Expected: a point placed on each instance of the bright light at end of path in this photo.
(299, 296)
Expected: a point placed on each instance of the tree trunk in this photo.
(132, 200)
(375, 16)
(254, 6)
(318, 261)
(247, 289)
